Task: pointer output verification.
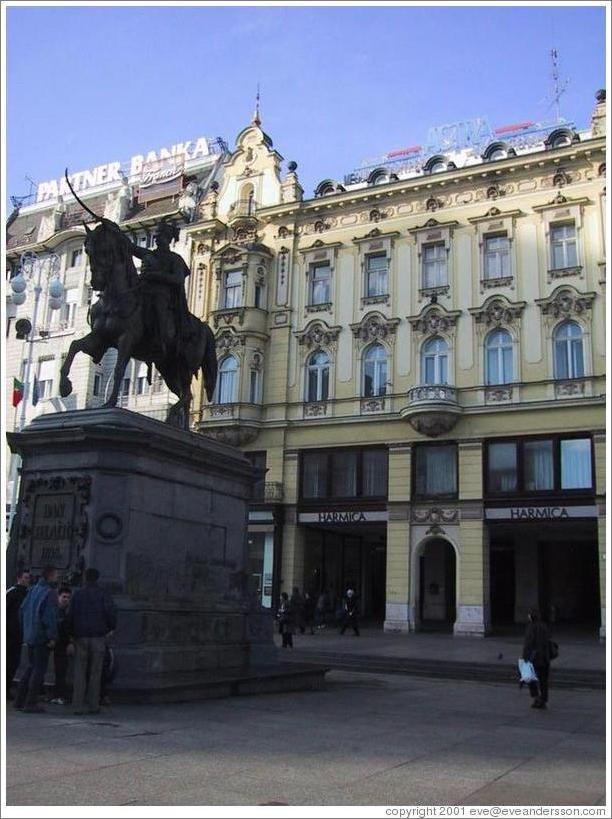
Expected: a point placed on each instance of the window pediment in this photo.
(434, 318)
(566, 302)
(497, 311)
(375, 327)
(318, 334)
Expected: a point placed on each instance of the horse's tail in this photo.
(209, 361)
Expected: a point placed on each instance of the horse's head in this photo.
(105, 248)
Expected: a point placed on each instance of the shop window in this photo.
(563, 246)
(320, 284)
(568, 350)
(232, 295)
(376, 275)
(434, 265)
(435, 471)
(496, 257)
(502, 467)
(226, 387)
(434, 361)
(317, 387)
(498, 362)
(576, 464)
(375, 472)
(539, 465)
(375, 371)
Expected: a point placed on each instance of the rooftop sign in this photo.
(137, 167)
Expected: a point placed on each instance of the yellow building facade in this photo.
(418, 361)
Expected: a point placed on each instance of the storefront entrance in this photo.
(549, 566)
(437, 585)
(335, 559)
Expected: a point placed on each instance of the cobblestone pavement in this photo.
(365, 740)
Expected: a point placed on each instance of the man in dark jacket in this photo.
(60, 652)
(350, 612)
(536, 650)
(38, 614)
(91, 619)
(14, 640)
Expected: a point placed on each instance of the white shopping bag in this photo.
(527, 671)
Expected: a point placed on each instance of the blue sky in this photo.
(90, 85)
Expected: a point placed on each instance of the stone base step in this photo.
(446, 669)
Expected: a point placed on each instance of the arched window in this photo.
(434, 361)
(317, 383)
(375, 371)
(247, 199)
(568, 351)
(498, 358)
(226, 389)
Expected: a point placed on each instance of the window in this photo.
(376, 275)
(143, 241)
(320, 280)
(76, 257)
(497, 153)
(374, 472)
(496, 257)
(253, 387)
(97, 384)
(434, 361)
(438, 167)
(125, 386)
(576, 464)
(142, 388)
(563, 246)
(344, 473)
(502, 467)
(226, 389)
(46, 373)
(568, 351)
(258, 460)
(69, 307)
(436, 471)
(498, 361)
(540, 465)
(233, 289)
(258, 295)
(434, 265)
(375, 371)
(317, 387)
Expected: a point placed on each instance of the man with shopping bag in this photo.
(537, 652)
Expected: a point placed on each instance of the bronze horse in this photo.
(117, 320)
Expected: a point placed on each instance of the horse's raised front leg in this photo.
(124, 348)
(89, 344)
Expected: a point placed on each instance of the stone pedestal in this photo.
(162, 514)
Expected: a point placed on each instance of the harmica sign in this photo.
(521, 513)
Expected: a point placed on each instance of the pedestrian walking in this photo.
(297, 607)
(351, 612)
(286, 622)
(309, 612)
(14, 638)
(62, 646)
(537, 651)
(322, 609)
(91, 620)
(38, 615)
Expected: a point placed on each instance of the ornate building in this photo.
(416, 356)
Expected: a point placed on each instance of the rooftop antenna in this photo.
(559, 85)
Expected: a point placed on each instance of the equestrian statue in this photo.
(143, 316)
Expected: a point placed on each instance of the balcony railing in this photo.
(437, 393)
(243, 207)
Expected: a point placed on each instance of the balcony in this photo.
(432, 409)
(237, 424)
(242, 214)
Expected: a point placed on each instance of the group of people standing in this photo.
(64, 622)
(302, 612)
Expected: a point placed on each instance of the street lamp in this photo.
(33, 272)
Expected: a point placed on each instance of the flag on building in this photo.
(35, 392)
(17, 391)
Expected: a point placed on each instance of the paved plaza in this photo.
(365, 740)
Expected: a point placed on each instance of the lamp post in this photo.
(34, 271)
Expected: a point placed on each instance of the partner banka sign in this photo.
(344, 516)
(540, 513)
(138, 166)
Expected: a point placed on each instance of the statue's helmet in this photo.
(168, 231)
